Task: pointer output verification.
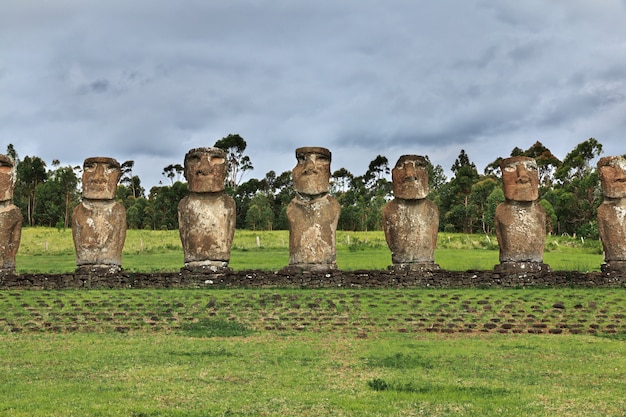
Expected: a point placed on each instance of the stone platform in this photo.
(334, 279)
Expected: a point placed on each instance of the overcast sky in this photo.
(147, 80)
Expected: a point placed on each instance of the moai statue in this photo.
(10, 217)
(612, 213)
(99, 222)
(312, 214)
(410, 220)
(206, 217)
(521, 220)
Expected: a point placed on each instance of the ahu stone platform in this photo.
(334, 279)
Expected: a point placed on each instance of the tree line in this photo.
(569, 191)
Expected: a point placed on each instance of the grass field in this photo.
(313, 353)
(386, 352)
(47, 250)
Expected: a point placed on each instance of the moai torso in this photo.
(521, 221)
(312, 232)
(313, 214)
(411, 230)
(612, 212)
(206, 217)
(612, 228)
(10, 216)
(207, 228)
(410, 221)
(521, 231)
(99, 222)
(10, 234)
(99, 232)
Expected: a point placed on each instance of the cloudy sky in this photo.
(147, 80)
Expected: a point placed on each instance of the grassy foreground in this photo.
(390, 352)
(48, 250)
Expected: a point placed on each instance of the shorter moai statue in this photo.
(99, 222)
(612, 213)
(206, 217)
(520, 219)
(10, 217)
(410, 220)
(312, 214)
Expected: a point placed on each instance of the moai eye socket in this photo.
(530, 166)
(89, 167)
(109, 169)
(413, 164)
(321, 158)
(217, 160)
(193, 158)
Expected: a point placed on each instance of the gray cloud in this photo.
(148, 80)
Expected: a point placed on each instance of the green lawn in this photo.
(386, 352)
(535, 352)
(47, 250)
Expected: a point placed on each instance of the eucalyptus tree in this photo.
(30, 173)
(173, 170)
(577, 196)
(238, 163)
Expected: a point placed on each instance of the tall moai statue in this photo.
(99, 222)
(410, 220)
(10, 217)
(520, 219)
(612, 213)
(206, 217)
(312, 214)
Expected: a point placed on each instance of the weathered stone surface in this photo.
(99, 232)
(205, 170)
(522, 267)
(520, 228)
(520, 221)
(411, 221)
(207, 228)
(612, 212)
(334, 279)
(10, 217)
(411, 230)
(206, 217)
(311, 175)
(99, 222)
(410, 178)
(313, 214)
(520, 178)
(312, 233)
(100, 178)
(10, 235)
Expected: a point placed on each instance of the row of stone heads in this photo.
(205, 169)
(410, 221)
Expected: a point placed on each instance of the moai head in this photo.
(100, 178)
(311, 175)
(410, 178)
(612, 171)
(7, 177)
(205, 170)
(520, 178)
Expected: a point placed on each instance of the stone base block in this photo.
(522, 268)
(303, 268)
(98, 270)
(206, 267)
(609, 267)
(7, 272)
(414, 267)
